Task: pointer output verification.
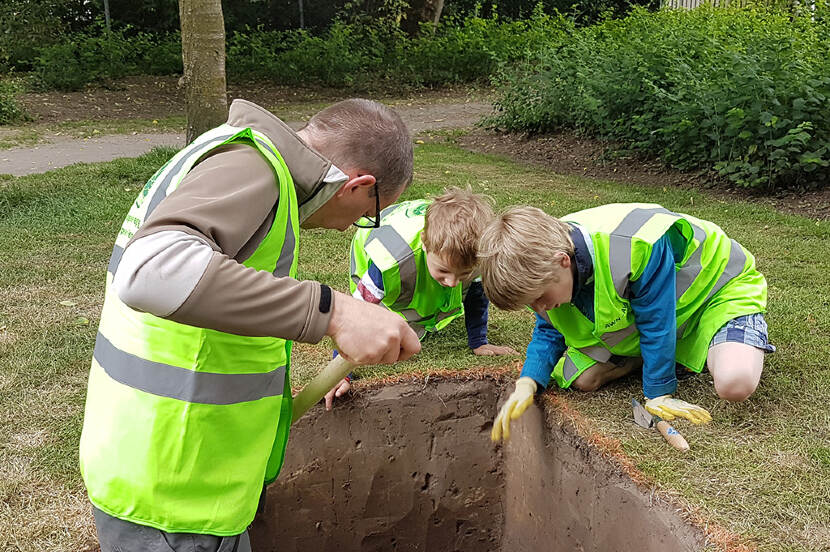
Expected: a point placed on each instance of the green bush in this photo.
(101, 56)
(745, 92)
(362, 53)
(10, 111)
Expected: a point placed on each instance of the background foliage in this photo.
(743, 92)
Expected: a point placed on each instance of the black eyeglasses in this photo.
(371, 223)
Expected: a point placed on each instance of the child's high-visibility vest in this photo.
(395, 248)
(716, 281)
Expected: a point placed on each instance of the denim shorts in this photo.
(750, 329)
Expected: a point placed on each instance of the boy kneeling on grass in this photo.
(624, 285)
(420, 261)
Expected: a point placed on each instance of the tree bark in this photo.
(422, 11)
(203, 56)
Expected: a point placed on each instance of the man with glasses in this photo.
(189, 399)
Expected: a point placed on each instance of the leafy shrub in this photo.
(87, 57)
(362, 52)
(745, 92)
(10, 111)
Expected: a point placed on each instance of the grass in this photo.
(761, 469)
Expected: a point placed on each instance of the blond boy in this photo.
(619, 283)
(420, 260)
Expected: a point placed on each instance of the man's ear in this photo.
(355, 182)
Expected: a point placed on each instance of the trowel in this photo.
(646, 419)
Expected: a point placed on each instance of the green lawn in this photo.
(761, 469)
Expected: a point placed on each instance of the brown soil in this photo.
(156, 97)
(410, 467)
(564, 153)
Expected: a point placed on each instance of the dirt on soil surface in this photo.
(564, 153)
(158, 97)
(410, 466)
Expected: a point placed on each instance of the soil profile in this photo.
(411, 467)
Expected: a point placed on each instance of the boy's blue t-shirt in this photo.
(653, 302)
(475, 308)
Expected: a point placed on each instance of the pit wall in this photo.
(410, 467)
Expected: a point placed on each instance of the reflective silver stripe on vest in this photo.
(596, 352)
(416, 322)
(182, 384)
(286, 259)
(612, 339)
(402, 253)
(689, 272)
(115, 259)
(569, 369)
(388, 210)
(161, 193)
(412, 316)
(620, 246)
(442, 315)
(734, 267)
(353, 267)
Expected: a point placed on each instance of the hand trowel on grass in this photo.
(644, 418)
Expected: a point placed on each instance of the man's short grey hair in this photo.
(368, 136)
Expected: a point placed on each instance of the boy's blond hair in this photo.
(517, 255)
(454, 222)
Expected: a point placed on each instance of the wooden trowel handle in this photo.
(317, 388)
(672, 436)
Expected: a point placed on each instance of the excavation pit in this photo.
(410, 467)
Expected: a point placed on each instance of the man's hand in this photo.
(337, 391)
(668, 408)
(515, 406)
(489, 349)
(370, 334)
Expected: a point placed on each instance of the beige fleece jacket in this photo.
(184, 263)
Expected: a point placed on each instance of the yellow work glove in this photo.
(668, 408)
(516, 404)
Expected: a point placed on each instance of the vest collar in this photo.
(316, 179)
(583, 263)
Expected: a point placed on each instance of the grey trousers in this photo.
(117, 535)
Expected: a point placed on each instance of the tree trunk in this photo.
(203, 56)
(422, 11)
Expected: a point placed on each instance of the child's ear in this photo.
(563, 259)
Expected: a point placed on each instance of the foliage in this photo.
(25, 26)
(745, 92)
(361, 52)
(10, 111)
(103, 56)
(583, 12)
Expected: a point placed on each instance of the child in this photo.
(420, 261)
(627, 280)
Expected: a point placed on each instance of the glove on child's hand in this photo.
(516, 404)
(668, 408)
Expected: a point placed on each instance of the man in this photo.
(189, 403)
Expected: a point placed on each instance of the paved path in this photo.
(61, 151)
